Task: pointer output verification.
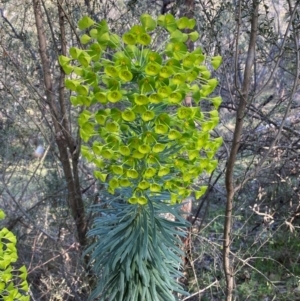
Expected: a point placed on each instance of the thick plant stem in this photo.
(228, 268)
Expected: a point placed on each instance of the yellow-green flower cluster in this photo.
(143, 137)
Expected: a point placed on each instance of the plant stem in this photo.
(243, 98)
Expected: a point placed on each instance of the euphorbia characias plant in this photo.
(147, 145)
(13, 281)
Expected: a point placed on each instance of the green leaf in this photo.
(191, 23)
(139, 109)
(82, 90)
(152, 68)
(84, 39)
(194, 36)
(143, 39)
(214, 113)
(84, 59)
(132, 51)
(155, 98)
(163, 171)
(78, 71)
(2, 214)
(122, 60)
(164, 91)
(193, 154)
(174, 64)
(128, 115)
(183, 113)
(216, 101)
(87, 131)
(178, 79)
(111, 83)
(111, 71)
(95, 52)
(206, 74)
(200, 192)
(174, 134)
(107, 153)
(148, 22)
(161, 20)
(141, 99)
(211, 166)
(212, 83)
(142, 200)
(67, 69)
(183, 23)
(114, 41)
(85, 22)
(24, 287)
(152, 56)
(144, 185)
(164, 118)
(125, 75)
(189, 61)
(155, 187)
(137, 30)
(100, 97)
(124, 182)
(147, 85)
(11, 237)
(158, 148)
(137, 154)
(210, 154)
(161, 129)
(133, 200)
(148, 115)
(84, 117)
(114, 141)
(100, 176)
(86, 152)
(113, 183)
(218, 142)
(177, 50)
(102, 26)
(129, 38)
(124, 150)
(178, 36)
(216, 61)
(132, 173)
(165, 72)
(97, 148)
(118, 170)
(170, 23)
(206, 90)
(149, 172)
(63, 60)
(94, 33)
(112, 127)
(144, 149)
(175, 97)
(114, 96)
(187, 177)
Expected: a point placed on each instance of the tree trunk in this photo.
(228, 268)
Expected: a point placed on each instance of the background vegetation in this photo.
(46, 188)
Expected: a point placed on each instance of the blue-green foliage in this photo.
(136, 253)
